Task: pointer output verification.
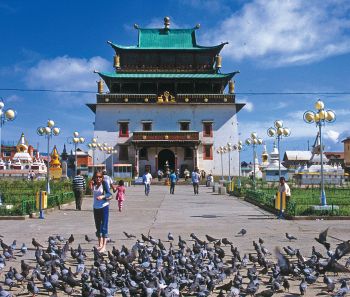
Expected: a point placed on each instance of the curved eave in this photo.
(92, 107)
(107, 76)
(119, 48)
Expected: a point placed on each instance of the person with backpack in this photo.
(120, 194)
(102, 195)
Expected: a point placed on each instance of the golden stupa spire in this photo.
(22, 145)
(55, 159)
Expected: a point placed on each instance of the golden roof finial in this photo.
(166, 22)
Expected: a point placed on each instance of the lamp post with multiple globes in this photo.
(229, 148)
(278, 131)
(239, 147)
(48, 131)
(221, 150)
(320, 117)
(93, 145)
(253, 141)
(112, 151)
(6, 115)
(76, 141)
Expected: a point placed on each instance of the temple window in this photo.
(123, 153)
(146, 126)
(185, 126)
(208, 152)
(188, 153)
(143, 154)
(207, 129)
(123, 129)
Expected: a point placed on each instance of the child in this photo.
(120, 194)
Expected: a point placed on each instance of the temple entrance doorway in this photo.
(164, 156)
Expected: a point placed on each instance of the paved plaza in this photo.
(183, 213)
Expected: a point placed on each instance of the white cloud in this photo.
(332, 135)
(249, 106)
(66, 73)
(285, 32)
(69, 74)
(13, 98)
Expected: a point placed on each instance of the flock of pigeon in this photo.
(173, 267)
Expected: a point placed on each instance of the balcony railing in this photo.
(179, 98)
(165, 136)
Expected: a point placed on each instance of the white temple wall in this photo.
(166, 117)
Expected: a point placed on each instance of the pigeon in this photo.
(170, 237)
(88, 239)
(322, 239)
(225, 241)
(24, 248)
(4, 293)
(144, 238)
(211, 239)
(290, 237)
(129, 235)
(32, 288)
(36, 244)
(242, 232)
(71, 239)
(302, 286)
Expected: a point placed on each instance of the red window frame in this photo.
(126, 133)
(205, 130)
(210, 157)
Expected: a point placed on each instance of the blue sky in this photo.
(280, 47)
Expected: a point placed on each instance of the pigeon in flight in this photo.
(129, 235)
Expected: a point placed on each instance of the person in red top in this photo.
(120, 194)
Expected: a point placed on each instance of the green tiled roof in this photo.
(170, 39)
(167, 38)
(166, 75)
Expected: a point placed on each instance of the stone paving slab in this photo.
(182, 213)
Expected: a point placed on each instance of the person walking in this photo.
(109, 181)
(102, 195)
(147, 179)
(79, 187)
(173, 180)
(195, 180)
(283, 188)
(120, 194)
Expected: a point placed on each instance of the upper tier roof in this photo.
(166, 39)
(106, 75)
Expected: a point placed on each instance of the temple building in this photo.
(166, 102)
(20, 163)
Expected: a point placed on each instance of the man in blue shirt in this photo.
(173, 180)
(195, 180)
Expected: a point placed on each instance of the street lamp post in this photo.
(48, 131)
(76, 141)
(93, 145)
(239, 147)
(112, 151)
(6, 115)
(229, 148)
(278, 131)
(254, 141)
(320, 117)
(221, 150)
